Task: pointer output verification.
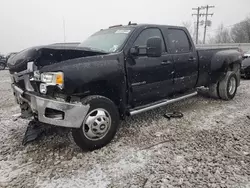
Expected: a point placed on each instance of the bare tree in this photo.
(241, 31)
(211, 40)
(222, 35)
(190, 28)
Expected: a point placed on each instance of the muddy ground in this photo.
(208, 147)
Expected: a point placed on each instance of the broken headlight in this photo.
(53, 78)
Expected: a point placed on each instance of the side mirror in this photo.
(154, 47)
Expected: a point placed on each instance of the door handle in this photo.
(192, 59)
(166, 62)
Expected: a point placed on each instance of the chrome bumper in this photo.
(73, 114)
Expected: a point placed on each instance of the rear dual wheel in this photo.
(226, 88)
(213, 91)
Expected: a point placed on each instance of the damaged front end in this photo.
(44, 108)
(42, 95)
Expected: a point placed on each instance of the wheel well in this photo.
(102, 88)
(234, 66)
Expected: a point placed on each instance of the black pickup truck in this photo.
(117, 72)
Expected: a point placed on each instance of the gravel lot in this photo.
(208, 147)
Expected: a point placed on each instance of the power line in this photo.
(206, 22)
(198, 15)
(198, 22)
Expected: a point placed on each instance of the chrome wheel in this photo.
(96, 124)
(232, 85)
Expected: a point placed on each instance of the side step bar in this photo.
(159, 104)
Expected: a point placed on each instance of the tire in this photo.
(228, 86)
(89, 136)
(2, 66)
(236, 69)
(213, 91)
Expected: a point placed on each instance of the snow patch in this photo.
(102, 175)
(94, 178)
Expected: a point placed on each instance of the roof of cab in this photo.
(134, 25)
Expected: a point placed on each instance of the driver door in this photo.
(150, 78)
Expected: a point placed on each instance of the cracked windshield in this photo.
(135, 94)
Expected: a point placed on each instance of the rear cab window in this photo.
(178, 41)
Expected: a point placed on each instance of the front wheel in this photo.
(2, 66)
(100, 124)
(228, 86)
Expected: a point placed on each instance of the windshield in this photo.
(109, 40)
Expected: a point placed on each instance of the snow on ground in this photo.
(208, 147)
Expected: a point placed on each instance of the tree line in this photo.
(237, 33)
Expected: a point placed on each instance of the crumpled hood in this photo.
(47, 55)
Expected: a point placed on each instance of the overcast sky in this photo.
(25, 23)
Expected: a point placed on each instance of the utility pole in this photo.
(194, 34)
(206, 22)
(198, 22)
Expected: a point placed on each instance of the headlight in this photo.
(47, 78)
(53, 78)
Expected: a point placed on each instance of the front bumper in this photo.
(72, 115)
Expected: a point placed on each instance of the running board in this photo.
(159, 104)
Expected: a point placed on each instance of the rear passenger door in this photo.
(184, 58)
